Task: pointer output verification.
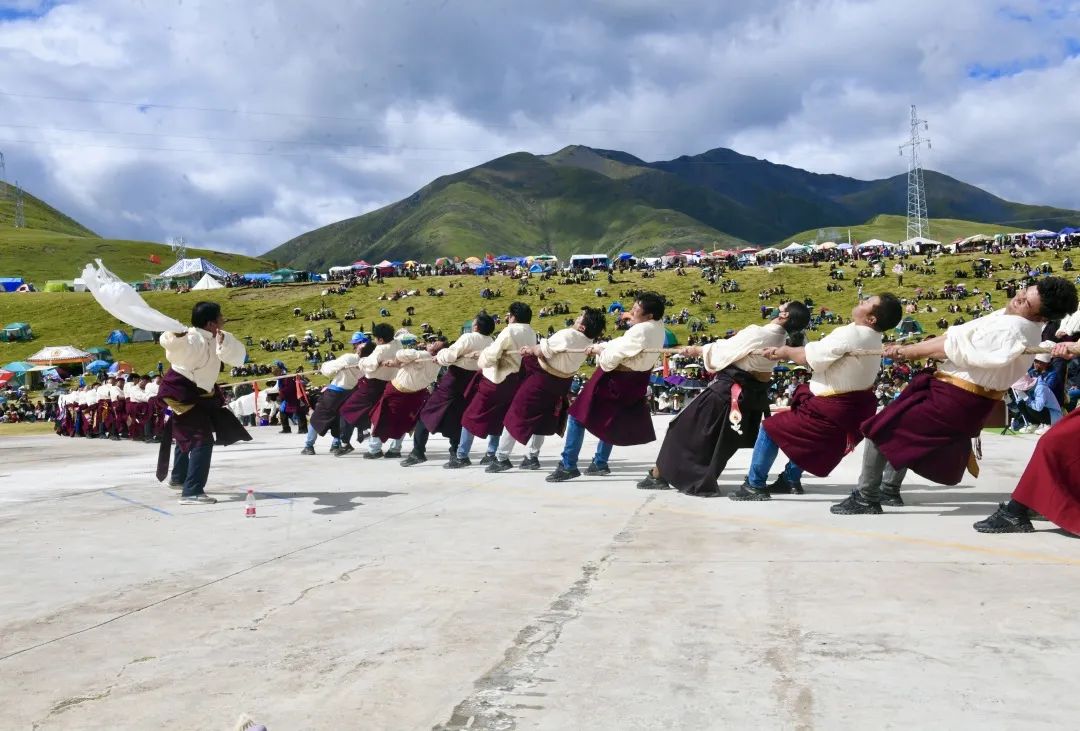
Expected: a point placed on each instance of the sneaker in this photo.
(653, 483)
(529, 463)
(1002, 521)
(597, 469)
(201, 499)
(747, 491)
(1042, 429)
(456, 463)
(176, 485)
(783, 486)
(856, 504)
(892, 499)
(499, 465)
(412, 459)
(561, 474)
(307, 450)
(375, 455)
(487, 459)
(344, 449)
(392, 454)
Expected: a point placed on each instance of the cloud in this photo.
(240, 129)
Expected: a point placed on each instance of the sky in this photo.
(240, 125)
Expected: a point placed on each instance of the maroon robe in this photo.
(443, 409)
(540, 405)
(397, 412)
(929, 428)
(290, 393)
(1050, 484)
(207, 421)
(614, 407)
(819, 431)
(357, 408)
(488, 403)
(327, 411)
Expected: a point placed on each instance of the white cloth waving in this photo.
(121, 301)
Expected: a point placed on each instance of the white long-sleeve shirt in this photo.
(989, 351)
(137, 394)
(629, 350)
(553, 349)
(151, 390)
(502, 357)
(197, 356)
(344, 371)
(736, 350)
(418, 370)
(835, 370)
(470, 342)
(372, 365)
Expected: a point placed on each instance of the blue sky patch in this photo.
(989, 72)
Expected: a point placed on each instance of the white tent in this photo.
(59, 354)
(794, 247)
(918, 244)
(188, 267)
(768, 251)
(875, 243)
(829, 245)
(208, 282)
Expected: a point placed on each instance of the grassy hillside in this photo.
(894, 229)
(42, 255)
(38, 215)
(60, 319)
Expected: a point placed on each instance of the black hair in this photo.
(383, 331)
(1058, 297)
(888, 312)
(522, 312)
(651, 304)
(594, 321)
(367, 349)
(204, 313)
(485, 323)
(798, 316)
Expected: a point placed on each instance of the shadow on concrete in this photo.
(327, 503)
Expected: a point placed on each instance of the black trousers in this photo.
(420, 436)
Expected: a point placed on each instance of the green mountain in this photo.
(37, 213)
(582, 199)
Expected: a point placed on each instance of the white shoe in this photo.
(200, 499)
(1027, 429)
(1042, 429)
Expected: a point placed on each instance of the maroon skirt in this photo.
(357, 408)
(540, 404)
(327, 409)
(442, 411)
(819, 431)
(397, 412)
(1050, 484)
(613, 406)
(929, 428)
(488, 403)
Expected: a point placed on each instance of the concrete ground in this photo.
(369, 596)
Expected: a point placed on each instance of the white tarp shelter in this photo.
(875, 243)
(919, 244)
(190, 267)
(54, 354)
(208, 282)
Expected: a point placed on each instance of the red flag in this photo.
(301, 392)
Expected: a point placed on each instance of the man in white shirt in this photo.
(344, 373)
(199, 417)
(374, 375)
(399, 406)
(826, 414)
(614, 404)
(493, 387)
(929, 427)
(443, 410)
(725, 416)
(540, 405)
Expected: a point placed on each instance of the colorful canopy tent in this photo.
(208, 282)
(10, 284)
(59, 285)
(909, 326)
(192, 268)
(58, 354)
(625, 256)
(120, 366)
(283, 276)
(536, 269)
(6, 376)
(97, 365)
(16, 331)
(118, 337)
(472, 260)
(17, 367)
(258, 277)
(670, 340)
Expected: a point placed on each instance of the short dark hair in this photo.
(485, 323)
(651, 304)
(888, 312)
(522, 312)
(594, 321)
(367, 349)
(798, 316)
(203, 313)
(1058, 297)
(384, 331)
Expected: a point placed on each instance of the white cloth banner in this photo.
(120, 300)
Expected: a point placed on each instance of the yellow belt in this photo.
(548, 368)
(969, 386)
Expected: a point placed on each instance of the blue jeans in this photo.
(312, 435)
(575, 436)
(765, 451)
(466, 443)
(192, 469)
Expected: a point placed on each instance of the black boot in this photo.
(747, 491)
(856, 504)
(1003, 521)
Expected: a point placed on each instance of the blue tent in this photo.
(625, 256)
(1068, 231)
(483, 269)
(616, 306)
(97, 365)
(10, 284)
(17, 366)
(536, 269)
(118, 337)
(258, 277)
(506, 258)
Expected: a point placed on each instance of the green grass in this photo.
(894, 229)
(39, 255)
(26, 429)
(75, 319)
(38, 215)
